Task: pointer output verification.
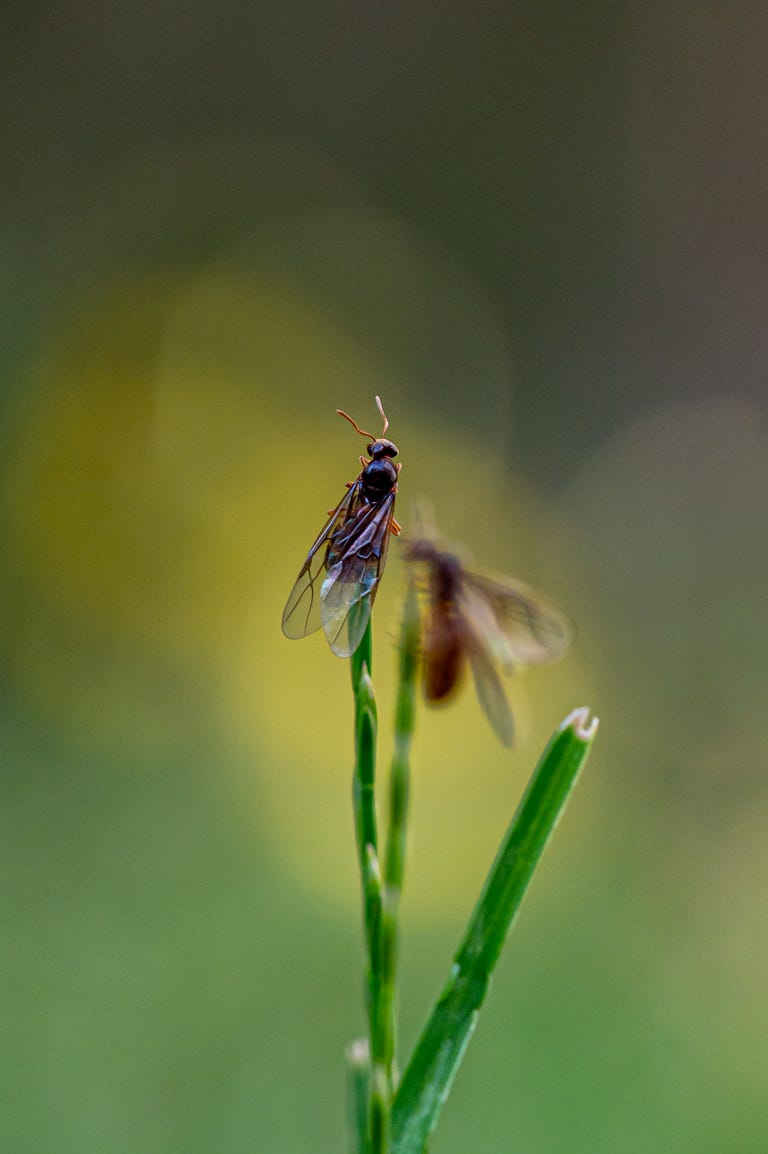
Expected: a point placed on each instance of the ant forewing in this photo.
(337, 583)
(487, 622)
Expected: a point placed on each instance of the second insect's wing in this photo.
(349, 588)
(529, 629)
(480, 631)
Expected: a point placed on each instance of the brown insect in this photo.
(487, 622)
(337, 583)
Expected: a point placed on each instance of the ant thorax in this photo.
(378, 477)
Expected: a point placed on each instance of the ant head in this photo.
(382, 448)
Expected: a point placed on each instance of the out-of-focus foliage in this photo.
(538, 233)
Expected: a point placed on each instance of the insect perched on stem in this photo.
(337, 583)
(485, 621)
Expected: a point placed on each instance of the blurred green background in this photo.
(539, 232)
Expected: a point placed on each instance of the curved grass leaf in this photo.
(427, 1080)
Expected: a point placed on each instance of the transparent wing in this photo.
(524, 627)
(480, 634)
(490, 693)
(301, 615)
(349, 589)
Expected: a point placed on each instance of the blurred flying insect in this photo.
(337, 583)
(485, 621)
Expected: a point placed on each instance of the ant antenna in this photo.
(383, 414)
(362, 432)
(355, 425)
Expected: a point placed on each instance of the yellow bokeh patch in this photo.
(168, 480)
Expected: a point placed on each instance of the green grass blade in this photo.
(437, 1056)
(363, 656)
(397, 834)
(366, 726)
(405, 720)
(378, 1082)
(358, 1074)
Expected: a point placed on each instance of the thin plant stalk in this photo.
(399, 798)
(381, 894)
(358, 1076)
(366, 833)
(366, 723)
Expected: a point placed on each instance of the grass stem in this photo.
(381, 894)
